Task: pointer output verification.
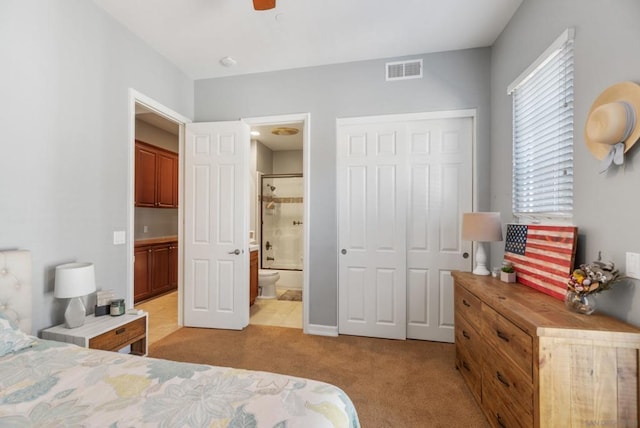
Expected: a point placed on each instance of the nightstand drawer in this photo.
(119, 337)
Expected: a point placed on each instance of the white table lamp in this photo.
(73, 281)
(481, 228)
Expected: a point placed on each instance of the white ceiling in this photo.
(196, 34)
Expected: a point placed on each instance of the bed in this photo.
(47, 383)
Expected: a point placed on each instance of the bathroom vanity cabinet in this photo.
(253, 277)
(155, 268)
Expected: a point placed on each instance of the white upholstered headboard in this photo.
(15, 287)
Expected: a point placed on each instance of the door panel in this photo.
(372, 294)
(216, 222)
(440, 164)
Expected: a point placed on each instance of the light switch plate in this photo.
(633, 265)
(119, 237)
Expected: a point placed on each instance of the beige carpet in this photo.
(392, 383)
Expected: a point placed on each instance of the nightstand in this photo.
(105, 332)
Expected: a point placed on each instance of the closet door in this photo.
(372, 227)
(440, 190)
(402, 188)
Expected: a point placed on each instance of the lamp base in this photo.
(75, 314)
(481, 260)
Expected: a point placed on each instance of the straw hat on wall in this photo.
(612, 126)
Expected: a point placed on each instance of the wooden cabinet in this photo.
(529, 362)
(155, 268)
(253, 277)
(156, 180)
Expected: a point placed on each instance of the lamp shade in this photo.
(74, 280)
(481, 227)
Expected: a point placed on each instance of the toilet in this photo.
(267, 279)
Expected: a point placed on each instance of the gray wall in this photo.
(66, 70)
(452, 80)
(606, 206)
(288, 162)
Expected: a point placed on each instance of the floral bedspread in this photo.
(57, 384)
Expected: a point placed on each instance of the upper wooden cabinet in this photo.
(156, 177)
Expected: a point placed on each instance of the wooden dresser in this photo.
(530, 362)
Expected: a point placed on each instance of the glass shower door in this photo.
(282, 230)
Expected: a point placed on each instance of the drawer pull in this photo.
(465, 334)
(464, 302)
(502, 336)
(121, 330)
(502, 380)
(466, 366)
(500, 421)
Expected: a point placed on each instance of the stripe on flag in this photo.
(542, 256)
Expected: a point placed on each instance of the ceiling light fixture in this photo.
(227, 61)
(284, 131)
(255, 133)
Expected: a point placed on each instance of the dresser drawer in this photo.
(119, 337)
(509, 384)
(467, 336)
(470, 368)
(499, 413)
(468, 305)
(509, 340)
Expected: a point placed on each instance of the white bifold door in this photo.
(403, 184)
(216, 198)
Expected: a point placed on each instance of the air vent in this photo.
(402, 70)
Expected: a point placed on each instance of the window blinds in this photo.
(543, 133)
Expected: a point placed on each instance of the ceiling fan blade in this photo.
(264, 4)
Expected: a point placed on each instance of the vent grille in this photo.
(402, 70)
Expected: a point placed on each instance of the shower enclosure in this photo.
(281, 216)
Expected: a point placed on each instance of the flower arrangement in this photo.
(589, 279)
(593, 277)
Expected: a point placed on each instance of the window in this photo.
(543, 134)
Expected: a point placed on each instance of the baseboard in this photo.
(322, 330)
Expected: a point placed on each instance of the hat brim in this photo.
(623, 91)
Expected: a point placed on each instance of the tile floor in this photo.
(163, 314)
(280, 313)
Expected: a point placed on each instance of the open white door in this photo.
(216, 199)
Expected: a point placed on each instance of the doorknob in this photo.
(344, 251)
(465, 255)
(236, 252)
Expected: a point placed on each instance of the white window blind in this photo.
(543, 134)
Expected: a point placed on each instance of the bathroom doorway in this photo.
(278, 212)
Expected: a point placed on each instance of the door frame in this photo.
(305, 118)
(136, 97)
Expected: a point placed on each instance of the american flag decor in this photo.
(542, 256)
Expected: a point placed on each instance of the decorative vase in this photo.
(580, 303)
